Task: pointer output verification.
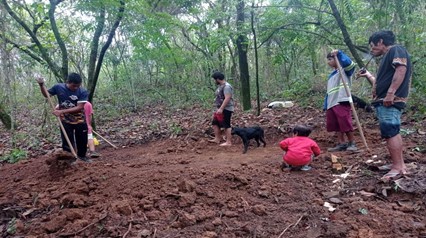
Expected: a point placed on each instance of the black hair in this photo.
(330, 55)
(218, 75)
(74, 78)
(387, 36)
(302, 130)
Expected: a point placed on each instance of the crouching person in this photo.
(299, 149)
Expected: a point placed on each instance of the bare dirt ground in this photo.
(165, 184)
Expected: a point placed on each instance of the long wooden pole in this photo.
(60, 124)
(348, 93)
(104, 139)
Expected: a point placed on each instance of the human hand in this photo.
(388, 100)
(39, 79)
(219, 111)
(334, 52)
(57, 112)
(363, 72)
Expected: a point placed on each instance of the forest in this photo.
(145, 52)
(147, 66)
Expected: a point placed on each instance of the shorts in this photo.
(389, 121)
(339, 118)
(226, 123)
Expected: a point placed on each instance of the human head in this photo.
(218, 77)
(301, 130)
(331, 60)
(73, 81)
(380, 41)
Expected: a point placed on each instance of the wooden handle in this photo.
(104, 139)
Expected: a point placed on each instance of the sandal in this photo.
(385, 167)
(214, 141)
(391, 175)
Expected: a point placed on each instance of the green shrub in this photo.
(14, 156)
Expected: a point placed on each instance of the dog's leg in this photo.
(262, 138)
(246, 144)
(257, 140)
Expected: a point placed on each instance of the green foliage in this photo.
(14, 156)
(304, 93)
(176, 129)
(11, 226)
(164, 51)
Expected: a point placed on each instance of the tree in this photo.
(242, 45)
(345, 33)
(43, 48)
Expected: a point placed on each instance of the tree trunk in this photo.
(94, 79)
(256, 60)
(242, 57)
(5, 118)
(345, 33)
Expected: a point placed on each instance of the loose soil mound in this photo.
(184, 186)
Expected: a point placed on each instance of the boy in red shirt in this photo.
(299, 149)
(88, 111)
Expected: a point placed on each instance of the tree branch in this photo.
(61, 44)
(94, 46)
(106, 46)
(23, 49)
(287, 27)
(51, 64)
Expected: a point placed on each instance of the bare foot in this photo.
(225, 144)
(392, 175)
(214, 141)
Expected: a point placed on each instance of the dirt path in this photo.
(187, 187)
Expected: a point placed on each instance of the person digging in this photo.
(71, 97)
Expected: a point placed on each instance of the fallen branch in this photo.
(84, 228)
(130, 222)
(246, 203)
(294, 225)
(128, 230)
(282, 233)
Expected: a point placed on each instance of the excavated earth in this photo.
(174, 183)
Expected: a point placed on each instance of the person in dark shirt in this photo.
(390, 93)
(71, 97)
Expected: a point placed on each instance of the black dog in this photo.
(249, 133)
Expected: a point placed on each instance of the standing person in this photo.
(71, 98)
(299, 149)
(390, 93)
(224, 103)
(339, 114)
(88, 112)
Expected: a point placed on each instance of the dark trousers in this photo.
(77, 133)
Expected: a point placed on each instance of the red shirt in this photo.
(299, 150)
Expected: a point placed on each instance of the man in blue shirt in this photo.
(71, 97)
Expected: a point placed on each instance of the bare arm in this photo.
(371, 79)
(398, 78)
(225, 102)
(79, 107)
